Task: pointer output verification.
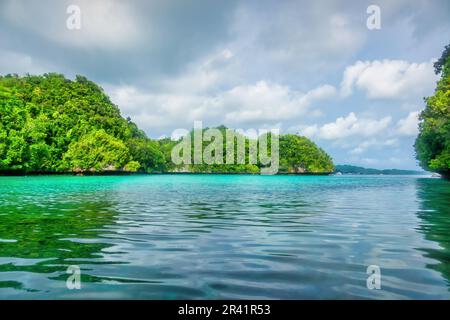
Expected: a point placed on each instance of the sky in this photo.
(307, 67)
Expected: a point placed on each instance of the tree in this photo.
(147, 153)
(433, 142)
(97, 151)
(52, 124)
(42, 116)
(132, 166)
(299, 154)
(296, 155)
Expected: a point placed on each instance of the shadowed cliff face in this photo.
(434, 197)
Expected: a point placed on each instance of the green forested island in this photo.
(433, 143)
(50, 124)
(349, 169)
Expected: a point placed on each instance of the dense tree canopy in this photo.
(96, 151)
(297, 154)
(52, 124)
(433, 143)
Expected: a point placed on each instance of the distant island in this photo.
(349, 169)
(51, 125)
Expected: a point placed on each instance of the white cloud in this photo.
(104, 23)
(16, 62)
(365, 145)
(206, 74)
(409, 126)
(348, 126)
(397, 79)
(308, 131)
(294, 40)
(370, 161)
(265, 101)
(262, 103)
(207, 91)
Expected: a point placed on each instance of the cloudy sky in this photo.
(308, 67)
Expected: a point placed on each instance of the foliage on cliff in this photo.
(297, 154)
(433, 143)
(52, 124)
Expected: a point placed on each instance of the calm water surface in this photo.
(220, 237)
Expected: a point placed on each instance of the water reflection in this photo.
(434, 197)
(224, 237)
(45, 230)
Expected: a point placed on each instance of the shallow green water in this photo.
(200, 236)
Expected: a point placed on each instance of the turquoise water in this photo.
(224, 237)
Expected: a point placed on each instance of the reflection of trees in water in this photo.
(45, 232)
(434, 195)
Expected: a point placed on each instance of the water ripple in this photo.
(224, 237)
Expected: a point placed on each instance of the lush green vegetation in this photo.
(52, 124)
(225, 167)
(349, 169)
(433, 143)
(296, 155)
(299, 154)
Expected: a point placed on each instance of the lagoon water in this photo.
(224, 237)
